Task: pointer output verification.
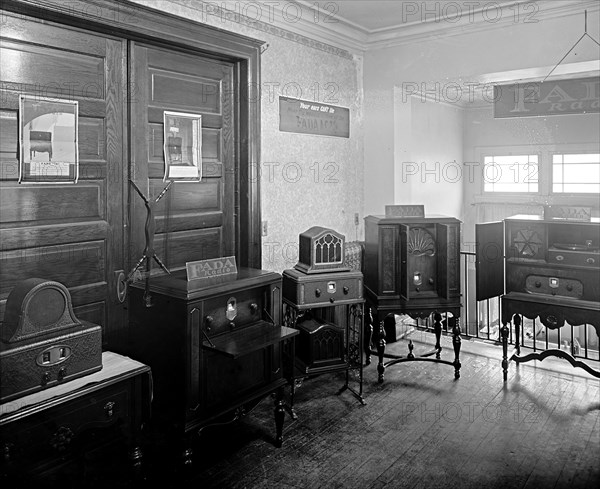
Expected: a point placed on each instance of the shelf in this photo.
(249, 339)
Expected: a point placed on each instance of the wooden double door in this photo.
(88, 235)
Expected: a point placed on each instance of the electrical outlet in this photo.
(356, 219)
(263, 228)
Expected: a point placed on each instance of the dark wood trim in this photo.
(134, 22)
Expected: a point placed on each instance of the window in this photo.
(576, 173)
(514, 173)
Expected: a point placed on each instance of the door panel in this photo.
(194, 220)
(489, 260)
(72, 233)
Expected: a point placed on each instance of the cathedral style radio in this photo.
(42, 343)
(321, 250)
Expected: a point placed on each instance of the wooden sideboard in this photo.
(45, 434)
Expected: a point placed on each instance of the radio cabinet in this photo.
(327, 310)
(411, 266)
(215, 348)
(546, 268)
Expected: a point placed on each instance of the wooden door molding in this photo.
(139, 23)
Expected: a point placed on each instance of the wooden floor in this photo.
(420, 428)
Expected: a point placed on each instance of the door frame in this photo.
(135, 22)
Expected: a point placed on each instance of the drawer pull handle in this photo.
(591, 261)
(61, 439)
(559, 258)
(109, 409)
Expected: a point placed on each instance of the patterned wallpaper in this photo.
(306, 180)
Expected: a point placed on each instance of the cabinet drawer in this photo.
(576, 258)
(56, 431)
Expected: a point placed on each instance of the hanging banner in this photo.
(556, 97)
(48, 140)
(182, 146)
(303, 116)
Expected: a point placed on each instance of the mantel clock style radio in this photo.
(42, 343)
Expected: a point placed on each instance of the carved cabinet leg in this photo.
(504, 336)
(368, 334)
(456, 343)
(517, 320)
(437, 329)
(279, 417)
(381, 351)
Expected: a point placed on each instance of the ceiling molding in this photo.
(300, 21)
(347, 35)
(411, 33)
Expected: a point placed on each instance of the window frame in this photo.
(529, 154)
(551, 191)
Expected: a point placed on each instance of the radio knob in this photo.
(538, 284)
(318, 292)
(46, 378)
(418, 289)
(569, 287)
(346, 290)
(431, 280)
(62, 373)
(332, 300)
(253, 307)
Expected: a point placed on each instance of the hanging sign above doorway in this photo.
(553, 97)
(306, 117)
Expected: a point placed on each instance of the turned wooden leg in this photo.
(504, 336)
(456, 343)
(368, 335)
(136, 459)
(437, 329)
(279, 417)
(517, 320)
(381, 351)
(293, 413)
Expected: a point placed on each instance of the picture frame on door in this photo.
(48, 140)
(182, 146)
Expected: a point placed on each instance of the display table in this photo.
(553, 312)
(47, 430)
